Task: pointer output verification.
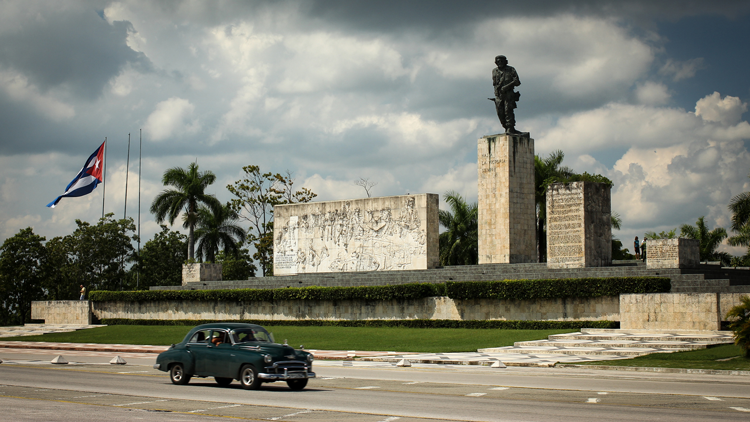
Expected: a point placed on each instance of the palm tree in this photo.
(709, 240)
(459, 244)
(217, 229)
(740, 324)
(546, 172)
(191, 185)
(740, 207)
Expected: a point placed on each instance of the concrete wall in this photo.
(672, 253)
(670, 311)
(579, 225)
(507, 229)
(62, 311)
(604, 308)
(371, 234)
(198, 272)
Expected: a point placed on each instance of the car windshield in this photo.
(243, 335)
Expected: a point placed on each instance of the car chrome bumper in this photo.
(287, 376)
(157, 366)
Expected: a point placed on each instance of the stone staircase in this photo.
(620, 343)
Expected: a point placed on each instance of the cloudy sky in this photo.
(651, 94)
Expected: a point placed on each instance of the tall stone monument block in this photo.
(507, 231)
(579, 225)
(372, 234)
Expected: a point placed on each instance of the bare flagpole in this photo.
(104, 175)
(140, 149)
(127, 172)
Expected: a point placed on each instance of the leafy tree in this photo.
(23, 268)
(63, 282)
(255, 196)
(459, 243)
(162, 258)
(709, 240)
(238, 266)
(99, 254)
(217, 230)
(190, 190)
(546, 171)
(740, 324)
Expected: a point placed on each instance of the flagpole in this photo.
(127, 172)
(104, 175)
(140, 150)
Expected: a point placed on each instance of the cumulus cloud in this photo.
(18, 88)
(652, 94)
(727, 111)
(171, 118)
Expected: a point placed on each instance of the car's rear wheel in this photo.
(223, 381)
(249, 378)
(177, 374)
(297, 385)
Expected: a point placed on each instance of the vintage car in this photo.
(233, 351)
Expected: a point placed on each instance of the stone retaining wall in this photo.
(676, 311)
(603, 308)
(62, 311)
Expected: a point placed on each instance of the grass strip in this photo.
(435, 340)
(727, 357)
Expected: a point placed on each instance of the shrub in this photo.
(739, 317)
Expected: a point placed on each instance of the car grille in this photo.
(288, 366)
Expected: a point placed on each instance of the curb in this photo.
(656, 370)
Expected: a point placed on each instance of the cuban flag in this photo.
(86, 179)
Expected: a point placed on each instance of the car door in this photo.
(198, 348)
(217, 356)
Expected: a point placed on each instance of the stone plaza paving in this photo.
(586, 346)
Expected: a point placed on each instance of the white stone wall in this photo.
(372, 234)
(670, 311)
(672, 253)
(579, 227)
(602, 308)
(61, 311)
(507, 229)
(192, 273)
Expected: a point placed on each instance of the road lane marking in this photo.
(390, 419)
(290, 415)
(411, 383)
(603, 393)
(740, 409)
(713, 398)
(476, 394)
(499, 388)
(93, 395)
(213, 408)
(132, 372)
(140, 402)
(592, 400)
(369, 387)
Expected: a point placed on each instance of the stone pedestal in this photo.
(507, 231)
(672, 253)
(579, 225)
(200, 272)
(372, 234)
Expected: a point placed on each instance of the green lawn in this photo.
(437, 340)
(725, 357)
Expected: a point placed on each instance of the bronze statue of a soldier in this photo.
(504, 79)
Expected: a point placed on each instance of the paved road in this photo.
(89, 389)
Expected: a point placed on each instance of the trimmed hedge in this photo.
(556, 288)
(506, 290)
(403, 323)
(403, 292)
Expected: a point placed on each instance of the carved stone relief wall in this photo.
(373, 234)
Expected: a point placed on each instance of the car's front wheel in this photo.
(177, 374)
(249, 378)
(223, 381)
(297, 385)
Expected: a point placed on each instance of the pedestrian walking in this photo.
(637, 248)
(83, 292)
